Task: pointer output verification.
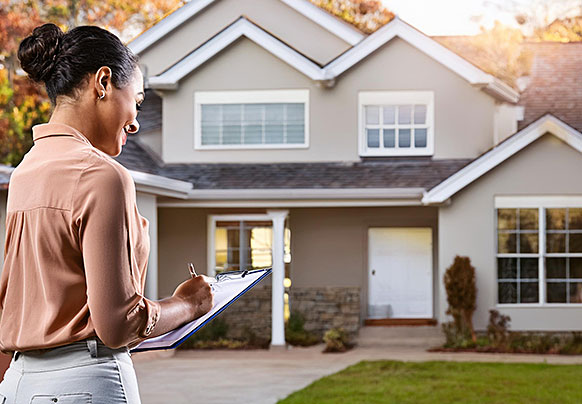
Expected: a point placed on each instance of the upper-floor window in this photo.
(396, 123)
(251, 119)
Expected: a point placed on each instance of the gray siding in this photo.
(272, 15)
(467, 227)
(463, 114)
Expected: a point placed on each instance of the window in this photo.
(246, 245)
(539, 250)
(394, 123)
(251, 119)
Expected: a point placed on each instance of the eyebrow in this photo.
(142, 95)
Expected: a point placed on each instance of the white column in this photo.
(148, 208)
(278, 276)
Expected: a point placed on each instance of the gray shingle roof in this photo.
(388, 173)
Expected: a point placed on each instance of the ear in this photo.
(102, 81)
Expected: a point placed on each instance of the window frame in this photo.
(249, 97)
(541, 203)
(211, 233)
(380, 98)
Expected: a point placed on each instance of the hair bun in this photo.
(37, 53)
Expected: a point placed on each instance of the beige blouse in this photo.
(76, 248)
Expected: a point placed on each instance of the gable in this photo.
(203, 19)
(546, 125)
(330, 72)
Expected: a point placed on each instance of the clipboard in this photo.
(227, 288)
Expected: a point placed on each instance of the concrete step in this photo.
(400, 336)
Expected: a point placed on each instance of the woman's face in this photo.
(118, 114)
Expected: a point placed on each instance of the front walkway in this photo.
(263, 377)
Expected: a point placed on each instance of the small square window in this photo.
(404, 119)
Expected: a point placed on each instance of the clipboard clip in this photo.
(229, 275)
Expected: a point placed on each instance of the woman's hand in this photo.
(196, 292)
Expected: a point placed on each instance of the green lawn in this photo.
(445, 382)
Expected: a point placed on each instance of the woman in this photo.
(71, 289)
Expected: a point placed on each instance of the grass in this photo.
(390, 382)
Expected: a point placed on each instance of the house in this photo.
(358, 166)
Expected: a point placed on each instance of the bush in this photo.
(461, 290)
(572, 346)
(457, 337)
(295, 333)
(213, 331)
(336, 340)
(498, 329)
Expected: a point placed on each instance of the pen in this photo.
(191, 269)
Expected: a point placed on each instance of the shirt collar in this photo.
(56, 129)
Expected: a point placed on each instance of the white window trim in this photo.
(395, 98)
(540, 202)
(248, 97)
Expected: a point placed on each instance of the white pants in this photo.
(84, 372)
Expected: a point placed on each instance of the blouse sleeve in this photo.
(120, 314)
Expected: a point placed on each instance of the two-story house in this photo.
(358, 166)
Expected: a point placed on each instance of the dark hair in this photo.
(63, 60)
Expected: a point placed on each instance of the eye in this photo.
(138, 107)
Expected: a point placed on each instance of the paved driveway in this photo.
(263, 377)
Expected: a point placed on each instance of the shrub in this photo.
(461, 290)
(498, 329)
(295, 333)
(213, 331)
(457, 337)
(336, 340)
(573, 346)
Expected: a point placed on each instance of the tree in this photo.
(498, 51)
(23, 104)
(534, 16)
(366, 15)
(561, 30)
(461, 294)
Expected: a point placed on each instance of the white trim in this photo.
(243, 27)
(381, 98)
(167, 25)
(309, 193)
(335, 25)
(246, 203)
(536, 201)
(250, 97)
(159, 185)
(341, 29)
(539, 305)
(546, 124)
(429, 46)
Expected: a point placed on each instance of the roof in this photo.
(500, 153)
(555, 83)
(169, 79)
(422, 173)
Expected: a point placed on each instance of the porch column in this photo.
(278, 276)
(148, 208)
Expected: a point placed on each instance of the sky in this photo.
(453, 17)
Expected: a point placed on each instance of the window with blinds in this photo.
(251, 119)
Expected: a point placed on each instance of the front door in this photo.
(400, 273)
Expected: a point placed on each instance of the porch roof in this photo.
(384, 173)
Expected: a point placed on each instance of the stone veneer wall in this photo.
(323, 308)
(328, 307)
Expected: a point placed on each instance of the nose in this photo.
(132, 127)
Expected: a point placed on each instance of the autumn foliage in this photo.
(24, 104)
(366, 15)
